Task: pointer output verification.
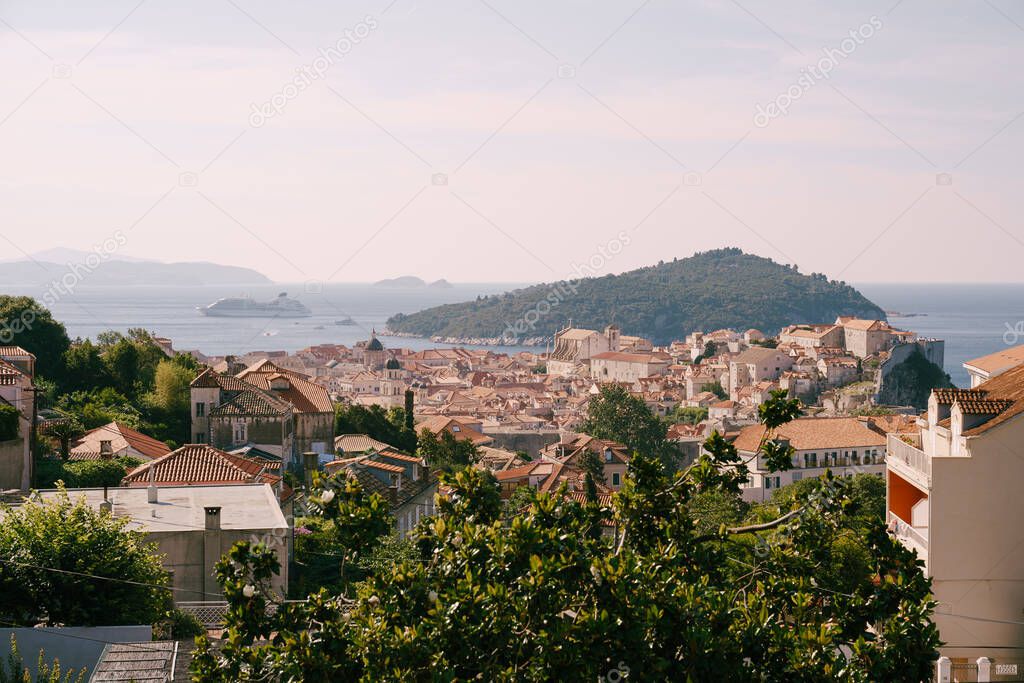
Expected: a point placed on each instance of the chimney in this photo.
(212, 517)
(106, 450)
(151, 493)
(106, 505)
(310, 464)
(212, 552)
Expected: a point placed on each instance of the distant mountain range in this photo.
(708, 291)
(411, 281)
(90, 269)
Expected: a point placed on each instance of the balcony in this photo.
(914, 538)
(908, 460)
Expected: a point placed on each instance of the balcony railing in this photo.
(910, 454)
(917, 536)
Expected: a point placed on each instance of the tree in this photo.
(84, 368)
(690, 415)
(590, 462)
(710, 351)
(64, 431)
(349, 521)
(410, 424)
(123, 365)
(617, 415)
(717, 389)
(99, 407)
(62, 562)
(376, 423)
(26, 323)
(171, 390)
(541, 596)
(447, 452)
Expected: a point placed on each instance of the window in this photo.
(616, 479)
(810, 459)
(200, 409)
(456, 428)
(200, 437)
(772, 482)
(607, 455)
(240, 432)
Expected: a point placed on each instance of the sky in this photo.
(517, 141)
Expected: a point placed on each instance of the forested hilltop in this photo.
(707, 291)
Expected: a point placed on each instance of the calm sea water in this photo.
(973, 319)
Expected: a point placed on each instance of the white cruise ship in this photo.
(246, 307)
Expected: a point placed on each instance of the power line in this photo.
(104, 578)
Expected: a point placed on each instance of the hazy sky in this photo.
(563, 129)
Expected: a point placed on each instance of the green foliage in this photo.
(64, 431)
(689, 415)
(540, 595)
(710, 351)
(98, 407)
(617, 415)
(710, 290)
(376, 423)
(713, 508)
(84, 368)
(177, 625)
(348, 524)
(26, 323)
(717, 389)
(15, 671)
(50, 552)
(447, 452)
(10, 422)
(911, 382)
(83, 473)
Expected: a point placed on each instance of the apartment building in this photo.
(846, 445)
(953, 496)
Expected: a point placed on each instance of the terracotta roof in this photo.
(993, 363)
(867, 325)
(439, 423)
(199, 464)
(120, 437)
(358, 443)
(983, 406)
(813, 433)
(946, 397)
(304, 395)
(1008, 386)
(371, 483)
(253, 402)
(15, 352)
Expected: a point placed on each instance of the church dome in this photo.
(374, 344)
(392, 364)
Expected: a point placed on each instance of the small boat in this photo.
(345, 321)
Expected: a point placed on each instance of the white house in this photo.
(846, 445)
(953, 496)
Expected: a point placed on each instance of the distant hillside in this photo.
(121, 273)
(708, 291)
(411, 281)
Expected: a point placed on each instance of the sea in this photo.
(973, 319)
